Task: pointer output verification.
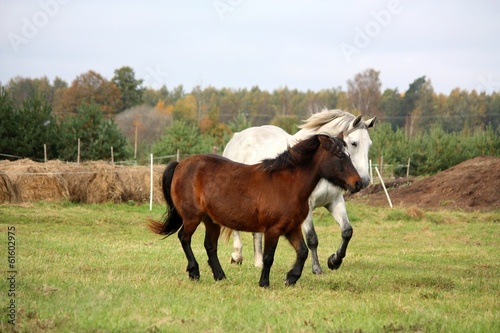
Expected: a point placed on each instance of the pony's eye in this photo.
(354, 144)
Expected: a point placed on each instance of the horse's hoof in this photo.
(264, 284)
(334, 264)
(289, 283)
(194, 277)
(237, 262)
(317, 270)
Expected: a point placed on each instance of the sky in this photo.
(304, 45)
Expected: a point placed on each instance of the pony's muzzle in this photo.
(358, 185)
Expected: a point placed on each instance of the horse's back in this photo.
(254, 144)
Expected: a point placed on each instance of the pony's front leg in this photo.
(193, 268)
(258, 260)
(270, 244)
(212, 233)
(297, 241)
(339, 213)
(237, 255)
(312, 242)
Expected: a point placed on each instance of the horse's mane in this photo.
(294, 156)
(319, 119)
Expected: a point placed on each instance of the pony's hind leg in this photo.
(192, 267)
(270, 244)
(212, 233)
(297, 241)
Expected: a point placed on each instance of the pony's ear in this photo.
(370, 122)
(340, 136)
(329, 143)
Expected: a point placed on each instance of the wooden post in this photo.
(408, 169)
(112, 156)
(383, 185)
(371, 172)
(151, 186)
(178, 155)
(135, 142)
(382, 165)
(78, 157)
(45, 152)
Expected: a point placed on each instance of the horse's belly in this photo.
(324, 194)
(254, 144)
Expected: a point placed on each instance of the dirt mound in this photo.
(470, 185)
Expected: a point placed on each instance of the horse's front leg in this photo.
(312, 241)
(193, 268)
(270, 244)
(297, 241)
(212, 233)
(339, 213)
(237, 255)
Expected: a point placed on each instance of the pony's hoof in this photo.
(264, 284)
(194, 277)
(289, 282)
(334, 264)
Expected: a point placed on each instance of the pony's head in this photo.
(355, 135)
(336, 165)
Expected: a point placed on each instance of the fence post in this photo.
(78, 157)
(408, 169)
(45, 152)
(112, 156)
(383, 186)
(371, 173)
(151, 186)
(178, 155)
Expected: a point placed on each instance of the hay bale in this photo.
(135, 180)
(38, 182)
(104, 184)
(7, 191)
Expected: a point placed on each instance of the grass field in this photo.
(96, 268)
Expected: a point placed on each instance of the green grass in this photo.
(96, 268)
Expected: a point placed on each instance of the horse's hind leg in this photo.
(211, 239)
(237, 255)
(312, 242)
(192, 267)
(297, 241)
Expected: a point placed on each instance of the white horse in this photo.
(254, 144)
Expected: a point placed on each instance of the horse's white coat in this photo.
(257, 143)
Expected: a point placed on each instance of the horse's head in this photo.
(335, 164)
(358, 143)
(355, 132)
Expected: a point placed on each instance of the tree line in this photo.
(137, 120)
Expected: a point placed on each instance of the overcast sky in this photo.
(308, 45)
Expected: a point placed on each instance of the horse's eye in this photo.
(354, 144)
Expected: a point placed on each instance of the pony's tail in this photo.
(172, 221)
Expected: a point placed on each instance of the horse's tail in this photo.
(172, 221)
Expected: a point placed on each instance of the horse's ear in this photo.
(357, 121)
(370, 122)
(340, 136)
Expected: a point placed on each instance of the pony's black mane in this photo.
(293, 157)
